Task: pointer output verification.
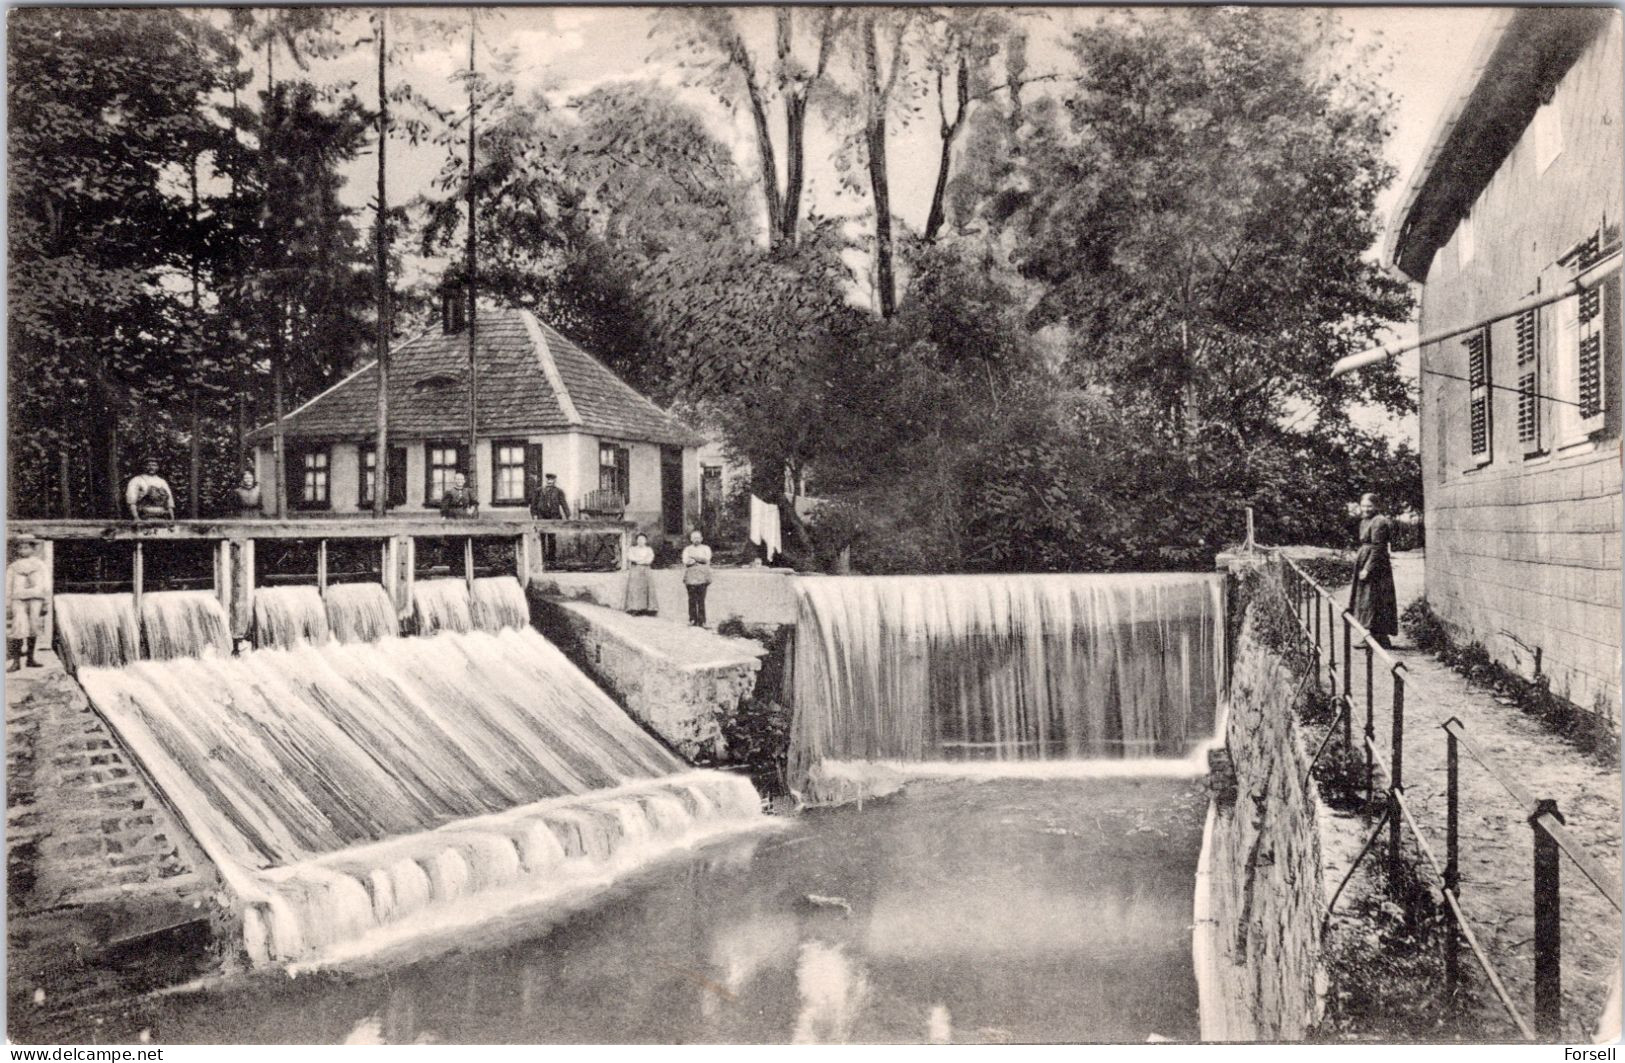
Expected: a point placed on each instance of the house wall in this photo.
(571, 456)
(1524, 551)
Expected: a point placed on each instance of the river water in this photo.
(965, 911)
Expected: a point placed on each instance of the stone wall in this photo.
(1259, 891)
(678, 681)
(95, 861)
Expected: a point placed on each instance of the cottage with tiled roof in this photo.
(544, 406)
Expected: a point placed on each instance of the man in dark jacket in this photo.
(549, 504)
(459, 501)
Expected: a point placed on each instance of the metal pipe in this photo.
(1605, 265)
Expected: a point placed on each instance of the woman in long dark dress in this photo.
(1372, 598)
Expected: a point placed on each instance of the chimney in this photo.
(453, 311)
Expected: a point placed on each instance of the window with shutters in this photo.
(1480, 407)
(1580, 360)
(313, 473)
(1527, 330)
(508, 472)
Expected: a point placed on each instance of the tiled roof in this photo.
(530, 377)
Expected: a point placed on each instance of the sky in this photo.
(564, 51)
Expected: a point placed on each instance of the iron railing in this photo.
(1309, 601)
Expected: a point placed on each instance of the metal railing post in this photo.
(1314, 607)
(1396, 768)
(1452, 847)
(1370, 726)
(1548, 925)
(1331, 645)
(1348, 684)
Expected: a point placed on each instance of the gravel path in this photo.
(1496, 841)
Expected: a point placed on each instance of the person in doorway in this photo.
(549, 504)
(640, 592)
(696, 576)
(148, 496)
(26, 582)
(248, 496)
(459, 502)
(1372, 598)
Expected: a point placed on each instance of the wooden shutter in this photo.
(293, 474)
(396, 477)
(534, 476)
(1528, 333)
(1480, 410)
(1589, 360)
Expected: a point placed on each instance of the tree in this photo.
(96, 225)
(714, 41)
(1200, 220)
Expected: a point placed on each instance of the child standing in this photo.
(26, 580)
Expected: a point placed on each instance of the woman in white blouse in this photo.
(640, 593)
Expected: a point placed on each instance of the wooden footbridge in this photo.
(233, 544)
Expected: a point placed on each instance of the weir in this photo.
(351, 785)
(1005, 668)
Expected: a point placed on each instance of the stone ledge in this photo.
(678, 681)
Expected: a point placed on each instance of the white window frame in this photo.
(1547, 128)
(505, 473)
(316, 478)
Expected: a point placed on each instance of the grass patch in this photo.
(1385, 960)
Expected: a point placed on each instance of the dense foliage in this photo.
(1112, 335)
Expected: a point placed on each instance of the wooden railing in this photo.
(233, 543)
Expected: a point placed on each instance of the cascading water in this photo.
(442, 605)
(96, 630)
(499, 602)
(350, 787)
(285, 617)
(184, 624)
(1004, 667)
(360, 612)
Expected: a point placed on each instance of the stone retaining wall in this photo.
(1262, 978)
(680, 682)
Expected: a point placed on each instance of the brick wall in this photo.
(85, 829)
(1524, 549)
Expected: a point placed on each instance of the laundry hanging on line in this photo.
(764, 527)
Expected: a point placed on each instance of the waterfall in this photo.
(360, 612)
(442, 605)
(96, 630)
(1004, 668)
(353, 790)
(184, 624)
(500, 602)
(289, 616)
